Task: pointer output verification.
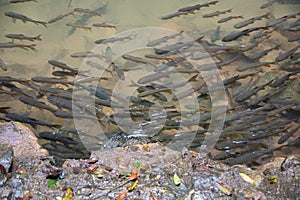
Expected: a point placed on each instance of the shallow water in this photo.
(59, 42)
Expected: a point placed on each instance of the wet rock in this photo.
(22, 140)
(6, 156)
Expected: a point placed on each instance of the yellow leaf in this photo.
(176, 179)
(248, 179)
(273, 179)
(224, 188)
(131, 187)
(68, 195)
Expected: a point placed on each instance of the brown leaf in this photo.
(28, 196)
(121, 196)
(134, 174)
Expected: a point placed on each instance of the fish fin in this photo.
(38, 37)
(134, 84)
(56, 126)
(24, 48)
(31, 47)
(24, 21)
(14, 20)
(193, 78)
(44, 24)
(33, 126)
(4, 109)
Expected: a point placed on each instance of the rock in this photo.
(22, 140)
(6, 156)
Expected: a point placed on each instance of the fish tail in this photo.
(32, 47)
(44, 24)
(4, 109)
(38, 37)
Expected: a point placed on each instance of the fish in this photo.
(265, 52)
(87, 11)
(21, 1)
(294, 143)
(86, 28)
(172, 15)
(17, 45)
(11, 79)
(141, 89)
(62, 66)
(3, 65)
(294, 38)
(286, 136)
(87, 54)
(279, 81)
(113, 39)
(163, 39)
(151, 92)
(173, 47)
(225, 19)
(59, 17)
(154, 77)
(105, 25)
(28, 120)
(23, 37)
(231, 80)
(23, 18)
(237, 34)
(197, 6)
(56, 136)
(35, 103)
(252, 20)
(279, 20)
(86, 17)
(226, 145)
(216, 35)
(287, 54)
(63, 73)
(253, 65)
(259, 99)
(247, 94)
(188, 92)
(41, 79)
(162, 57)
(137, 59)
(216, 13)
(267, 4)
(119, 71)
(241, 88)
(244, 158)
(291, 25)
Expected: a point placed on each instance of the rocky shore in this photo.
(145, 171)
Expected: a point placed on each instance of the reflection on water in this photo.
(59, 41)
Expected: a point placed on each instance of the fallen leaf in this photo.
(136, 165)
(224, 188)
(131, 187)
(51, 183)
(273, 179)
(134, 174)
(68, 195)
(248, 179)
(121, 196)
(176, 179)
(28, 196)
